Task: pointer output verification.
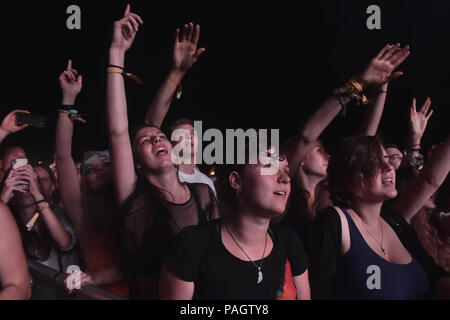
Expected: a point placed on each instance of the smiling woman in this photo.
(359, 234)
(155, 204)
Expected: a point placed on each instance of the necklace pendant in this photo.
(260, 276)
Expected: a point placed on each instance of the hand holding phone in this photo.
(16, 164)
(9, 123)
(31, 119)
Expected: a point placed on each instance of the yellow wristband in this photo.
(32, 221)
(124, 74)
(45, 206)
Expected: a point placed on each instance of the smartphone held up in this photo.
(16, 164)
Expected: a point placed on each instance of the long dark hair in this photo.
(37, 242)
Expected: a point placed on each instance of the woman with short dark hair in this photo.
(362, 249)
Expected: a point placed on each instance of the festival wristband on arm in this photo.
(116, 69)
(72, 114)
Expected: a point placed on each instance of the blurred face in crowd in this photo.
(316, 161)
(98, 173)
(46, 184)
(380, 186)
(153, 150)
(395, 157)
(12, 153)
(265, 194)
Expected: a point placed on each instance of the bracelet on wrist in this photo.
(44, 206)
(72, 114)
(351, 91)
(179, 86)
(30, 224)
(117, 69)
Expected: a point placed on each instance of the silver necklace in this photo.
(260, 274)
(382, 236)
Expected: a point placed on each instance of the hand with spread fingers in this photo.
(185, 51)
(71, 83)
(418, 120)
(125, 30)
(381, 68)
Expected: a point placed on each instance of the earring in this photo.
(237, 193)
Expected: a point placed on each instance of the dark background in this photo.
(266, 65)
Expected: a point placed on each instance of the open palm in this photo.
(185, 52)
(381, 68)
(419, 119)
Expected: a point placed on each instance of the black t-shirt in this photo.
(199, 256)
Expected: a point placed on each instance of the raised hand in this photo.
(28, 174)
(418, 120)
(381, 68)
(9, 123)
(71, 83)
(11, 185)
(125, 30)
(185, 52)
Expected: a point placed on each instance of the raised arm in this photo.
(9, 124)
(185, 54)
(379, 71)
(429, 179)
(71, 84)
(418, 121)
(372, 116)
(13, 265)
(123, 174)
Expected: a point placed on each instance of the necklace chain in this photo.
(262, 258)
(378, 242)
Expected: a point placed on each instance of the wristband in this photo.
(45, 206)
(72, 114)
(32, 221)
(67, 106)
(179, 86)
(116, 69)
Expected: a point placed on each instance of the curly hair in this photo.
(437, 246)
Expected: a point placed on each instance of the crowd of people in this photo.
(365, 221)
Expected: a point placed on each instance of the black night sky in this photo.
(266, 65)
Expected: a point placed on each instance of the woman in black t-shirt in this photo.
(240, 256)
